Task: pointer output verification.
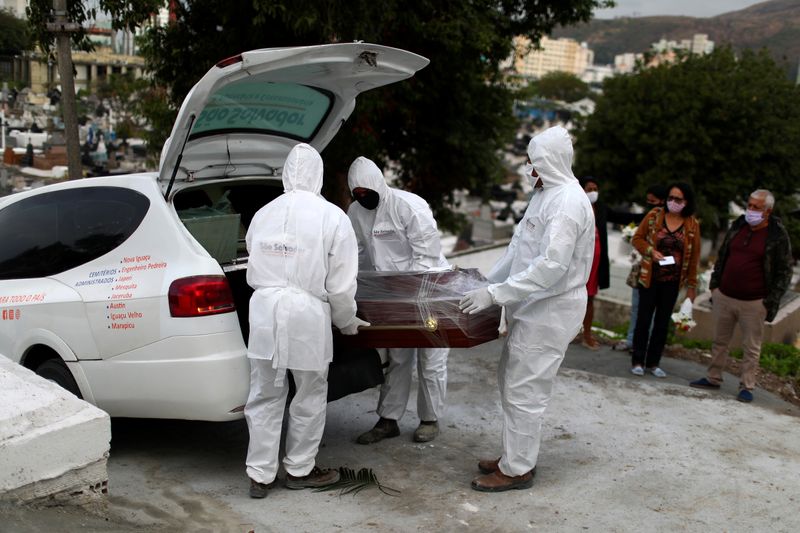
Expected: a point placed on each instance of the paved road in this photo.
(619, 453)
(607, 362)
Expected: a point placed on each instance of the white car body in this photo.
(110, 320)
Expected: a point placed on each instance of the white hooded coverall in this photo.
(303, 266)
(541, 280)
(400, 235)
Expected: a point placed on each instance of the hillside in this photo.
(774, 24)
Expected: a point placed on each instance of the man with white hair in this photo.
(303, 265)
(541, 280)
(752, 272)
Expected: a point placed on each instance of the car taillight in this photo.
(200, 296)
(229, 61)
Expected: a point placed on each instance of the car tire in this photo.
(56, 371)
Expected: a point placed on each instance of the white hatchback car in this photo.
(130, 290)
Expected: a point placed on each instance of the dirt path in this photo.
(618, 455)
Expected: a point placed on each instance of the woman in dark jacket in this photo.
(602, 216)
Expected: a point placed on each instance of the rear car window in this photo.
(285, 109)
(53, 232)
(209, 210)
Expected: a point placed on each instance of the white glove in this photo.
(502, 329)
(686, 308)
(352, 327)
(476, 301)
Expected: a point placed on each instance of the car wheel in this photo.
(56, 371)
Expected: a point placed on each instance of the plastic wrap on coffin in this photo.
(420, 310)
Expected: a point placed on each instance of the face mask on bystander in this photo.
(754, 218)
(675, 207)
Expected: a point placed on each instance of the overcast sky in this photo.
(689, 8)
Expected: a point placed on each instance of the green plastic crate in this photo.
(218, 234)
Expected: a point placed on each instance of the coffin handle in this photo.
(431, 324)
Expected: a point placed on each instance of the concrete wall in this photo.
(612, 309)
(784, 329)
(482, 258)
(53, 446)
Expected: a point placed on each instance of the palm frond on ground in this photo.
(352, 482)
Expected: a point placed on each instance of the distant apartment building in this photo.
(698, 44)
(91, 68)
(624, 63)
(115, 53)
(554, 55)
(595, 74)
(664, 51)
(16, 7)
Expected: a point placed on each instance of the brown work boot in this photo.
(384, 429)
(426, 431)
(258, 490)
(318, 477)
(487, 466)
(499, 482)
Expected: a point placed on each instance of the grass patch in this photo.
(780, 359)
(692, 343)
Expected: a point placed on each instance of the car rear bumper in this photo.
(202, 377)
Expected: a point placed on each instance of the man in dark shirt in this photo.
(752, 272)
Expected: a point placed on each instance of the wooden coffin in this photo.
(420, 310)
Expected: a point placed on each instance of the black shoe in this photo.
(703, 383)
(258, 490)
(384, 429)
(745, 396)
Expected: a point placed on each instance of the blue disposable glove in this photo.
(476, 301)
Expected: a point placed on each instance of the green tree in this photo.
(14, 36)
(67, 31)
(124, 14)
(562, 86)
(443, 129)
(124, 93)
(154, 105)
(725, 124)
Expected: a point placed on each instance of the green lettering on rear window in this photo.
(286, 109)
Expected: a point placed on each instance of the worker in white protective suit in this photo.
(303, 266)
(541, 281)
(396, 232)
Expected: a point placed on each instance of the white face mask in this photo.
(529, 174)
(528, 170)
(754, 218)
(593, 195)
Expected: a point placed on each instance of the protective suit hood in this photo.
(365, 173)
(551, 154)
(400, 234)
(303, 170)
